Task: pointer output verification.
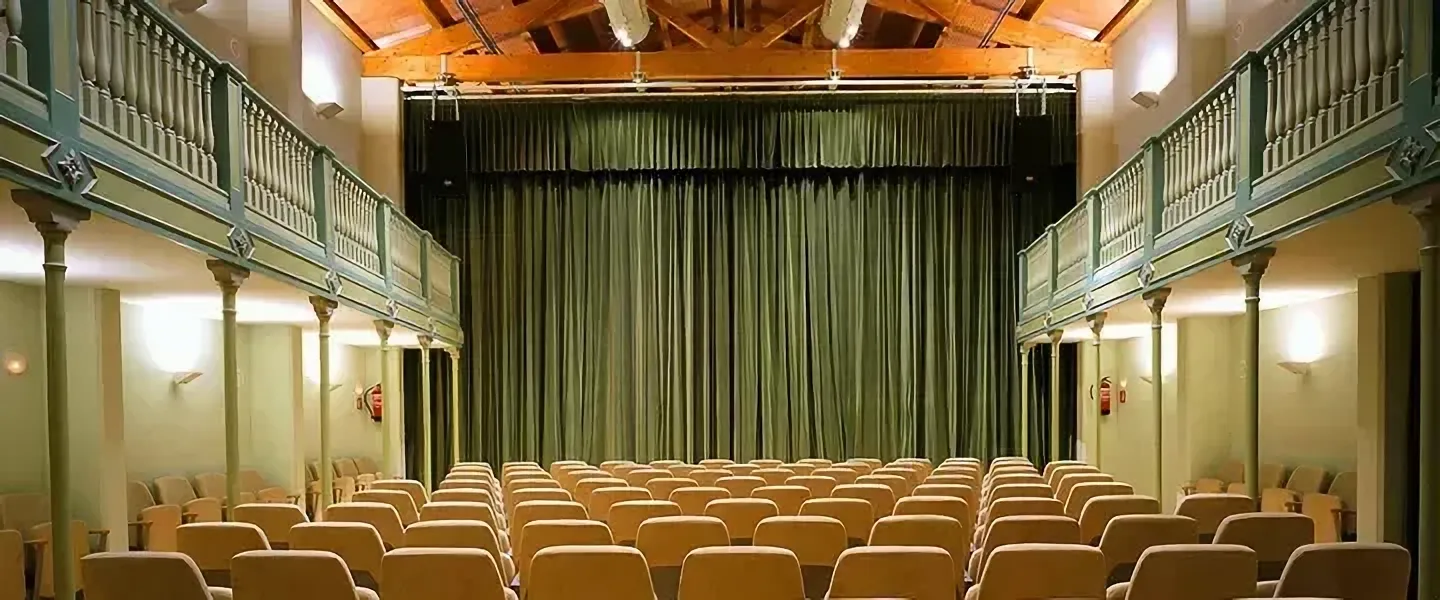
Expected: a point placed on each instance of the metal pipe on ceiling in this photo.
(628, 92)
(716, 88)
(995, 26)
(472, 18)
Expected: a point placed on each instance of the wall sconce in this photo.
(186, 7)
(328, 110)
(1146, 100)
(184, 377)
(16, 364)
(1296, 367)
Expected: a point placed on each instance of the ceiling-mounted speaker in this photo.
(629, 19)
(840, 20)
(1030, 153)
(446, 157)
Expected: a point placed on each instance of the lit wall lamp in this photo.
(328, 110)
(186, 7)
(184, 377)
(16, 364)
(1146, 100)
(1296, 367)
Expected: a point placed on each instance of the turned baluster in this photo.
(1393, 53)
(1375, 38)
(1229, 141)
(207, 132)
(15, 57)
(102, 61)
(191, 100)
(85, 30)
(1271, 92)
(118, 70)
(134, 58)
(156, 68)
(1287, 101)
(1362, 60)
(166, 100)
(1332, 70)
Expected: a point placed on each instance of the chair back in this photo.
(855, 514)
(409, 486)
(774, 475)
(664, 541)
(12, 565)
(880, 497)
(1209, 510)
(212, 545)
(379, 515)
(291, 575)
(1349, 570)
(1127, 537)
(1273, 537)
(938, 531)
(1194, 572)
(626, 517)
(750, 572)
(402, 501)
(128, 576)
(357, 544)
(916, 573)
(660, 487)
(1082, 493)
(441, 574)
(841, 475)
(591, 572)
(480, 495)
(602, 499)
(816, 542)
(79, 547)
(1070, 571)
(740, 486)
(787, 498)
(741, 516)
(562, 532)
(542, 510)
(1097, 513)
(1024, 530)
(692, 501)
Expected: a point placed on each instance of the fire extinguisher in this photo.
(373, 401)
(1106, 391)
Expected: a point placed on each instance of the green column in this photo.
(426, 451)
(454, 353)
(1097, 323)
(230, 277)
(1055, 337)
(324, 310)
(391, 408)
(1024, 436)
(1422, 206)
(55, 220)
(1155, 300)
(1252, 267)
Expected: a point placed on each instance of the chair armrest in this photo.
(205, 510)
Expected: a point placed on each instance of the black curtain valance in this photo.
(973, 130)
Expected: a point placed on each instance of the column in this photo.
(1055, 337)
(1024, 400)
(1155, 301)
(55, 220)
(391, 401)
(324, 309)
(454, 353)
(426, 453)
(230, 277)
(1252, 267)
(1097, 323)
(1422, 206)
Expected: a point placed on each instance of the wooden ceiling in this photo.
(552, 41)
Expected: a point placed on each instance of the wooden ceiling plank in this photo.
(702, 65)
(502, 24)
(1031, 9)
(910, 8)
(435, 13)
(684, 24)
(1013, 31)
(1122, 20)
(347, 26)
(781, 26)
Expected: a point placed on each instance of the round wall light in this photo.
(15, 363)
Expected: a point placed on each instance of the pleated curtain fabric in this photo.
(769, 310)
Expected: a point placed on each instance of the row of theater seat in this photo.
(814, 543)
(1309, 490)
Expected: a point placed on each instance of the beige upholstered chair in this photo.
(664, 541)
(141, 576)
(177, 491)
(626, 517)
(379, 515)
(1350, 570)
(819, 463)
(442, 574)
(212, 545)
(152, 526)
(660, 487)
(752, 573)
(1328, 513)
(482, 496)
(787, 498)
(212, 485)
(741, 516)
(368, 466)
(708, 477)
(899, 485)
(1095, 516)
(461, 534)
(1050, 467)
(12, 565)
(916, 573)
(1062, 489)
(683, 471)
(816, 542)
(358, 544)
(541, 510)
(955, 508)
(1273, 537)
(1082, 493)
(767, 463)
(414, 488)
(1016, 490)
(740, 486)
(1022, 530)
(402, 501)
(1070, 571)
(1209, 510)
(818, 486)
(855, 514)
(880, 497)
(455, 510)
(273, 519)
(774, 475)
(1190, 572)
(1017, 507)
(544, 534)
(536, 494)
(602, 499)
(800, 469)
(1128, 536)
(841, 475)
(294, 575)
(692, 501)
(254, 484)
(639, 477)
(716, 463)
(945, 533)
(739, 470)
(592, 572)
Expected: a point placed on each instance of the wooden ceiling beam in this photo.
(976, 20)
(347, 26)
(1127, 15)
(435, 13)
(1031, 9)
(502, 24)
(684, 24)
(738, 64)
(779, 27)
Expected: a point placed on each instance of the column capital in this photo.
(1056, 336)
(324, 308)
(453, 351)
(383, 329)
(48, 213)
(1155, 300)
(425, 341)
(1253, 264)
(228, 276)
(1424, 204)
(1097, 322)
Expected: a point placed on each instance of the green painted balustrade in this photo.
(1338, 109)
(110, 104)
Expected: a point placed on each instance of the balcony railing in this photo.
(139, 93)
(1330, 89)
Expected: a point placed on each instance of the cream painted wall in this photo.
(1208, 378)
(330, 72)
(270, 391)
(1310, 419)
(352, 432)
(1128, 432)
(22, 397)
(382, 153)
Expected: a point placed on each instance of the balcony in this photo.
(109, 104)
(1337, 110)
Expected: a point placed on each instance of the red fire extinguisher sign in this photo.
(374, 401)
(1105, 390)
